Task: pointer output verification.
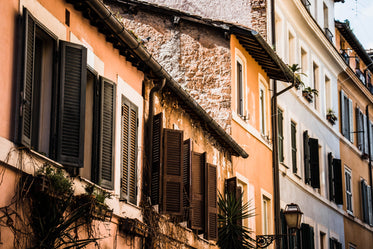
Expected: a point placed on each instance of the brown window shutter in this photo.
(211, 216)
(239, 198)
(28, 78)
(156, 157)
(129, 152)
(73, 75)
(107, 121)
(172, 187)
(197, 207)
(187, 164)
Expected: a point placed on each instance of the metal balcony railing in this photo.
(360, 75)
(328, 34)
(345, 56)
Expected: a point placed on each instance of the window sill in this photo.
(41, 156)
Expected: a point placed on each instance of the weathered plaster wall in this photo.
(250, 13)
(197, 57)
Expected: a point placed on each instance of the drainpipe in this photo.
(275, 163)
(369, 154)
(156, 88)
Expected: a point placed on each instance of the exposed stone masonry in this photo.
(196, 56)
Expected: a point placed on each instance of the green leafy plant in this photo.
(232, 234)
(330, 116)
(296, 70)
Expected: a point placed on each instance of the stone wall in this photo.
(196, 56)
(250, 13)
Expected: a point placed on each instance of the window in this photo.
(316, 85)
(311, 160)
(266, 206)
(240, 88)
(334, 244)
(181, 179)
(262, 109)
(346, 117)
(280, 121)
(291, 58)
(322, 240)
(335, 179)
(303, 65)
(60, 137)
(308, 236)
(232, 188)
(66, 121)
(129, 151)
(362, 131)
(293, 128)
(326, 16)
(328, 95)
(366, 202)
(348, 190)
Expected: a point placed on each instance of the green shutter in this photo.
(107, 124)
(314, 162)
(73, 75)
(331, 177)
(280, 135)
(306, 154)
(338, 188)
(294, 147)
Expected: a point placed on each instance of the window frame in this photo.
(346, 117)
(263, 104)
(348, 190)
(240, 108)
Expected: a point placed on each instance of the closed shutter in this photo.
(284, 230)
(365, 134)
(197, 209)
(280, 136)
(314, 162)
(73, 76)
(28, 78)
(371, 139)
(331, 177)
(107, 121)
(350, 121)
(211, 216)
(344, 116)
(187, 166)
(369, 200)
(129, 151)
(337, 171)
(156, 157)
(331, 243)
(294, 147)
(306, 152)
(360, 131)
(307, 237)
(172, 187)
(364, 201)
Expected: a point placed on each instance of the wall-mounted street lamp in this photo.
(293, 217)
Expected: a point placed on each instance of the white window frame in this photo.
(240, 58)
(263, 112)
(348, 189)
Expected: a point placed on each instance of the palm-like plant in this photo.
(232, 234)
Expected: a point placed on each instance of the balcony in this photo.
(360, 75)
(328, 34)
(345, 56)
(307, 4)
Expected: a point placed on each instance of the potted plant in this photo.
(308, 93)
(295, 69)
(330, 116)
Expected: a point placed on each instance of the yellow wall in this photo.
(257, 168)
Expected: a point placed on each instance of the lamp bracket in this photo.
(262, 241)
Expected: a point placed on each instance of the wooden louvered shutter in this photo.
(314, 162)
(365, 135)
(107, 124)
(187, 164)
(172, 173)
(28, 78)
(156, 157)
(129, 152)
(369, 201)
(306, 152)
(73, 77)
(284, 230)
(331, 243)
(211, 216)
(338, 189)
(280, 126)
(360, 133)
(344, 116)
(350, 121)
(364, 201)
(307, 236)
(197, 208)
(371, 139)
(331, 177)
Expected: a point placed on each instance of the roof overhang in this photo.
(355, 44)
